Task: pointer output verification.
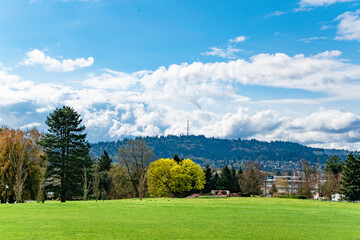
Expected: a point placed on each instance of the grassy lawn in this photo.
(206, 218)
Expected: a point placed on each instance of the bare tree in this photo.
(19, 150)
(136, 156)
(308, 179)
(41, 189)
(86, 184)
(96, 181)
(251, 179)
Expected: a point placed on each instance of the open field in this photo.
(206, 218)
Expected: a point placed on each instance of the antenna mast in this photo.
(187, 128)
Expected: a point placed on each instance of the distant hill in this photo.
(272, 156)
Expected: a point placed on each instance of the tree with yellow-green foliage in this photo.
(168, 178)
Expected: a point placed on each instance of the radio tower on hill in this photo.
(187, 128)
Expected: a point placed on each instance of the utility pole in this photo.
(319, 172)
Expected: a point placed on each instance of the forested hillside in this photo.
(217, 152)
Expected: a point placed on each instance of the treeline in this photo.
(58, 165)
(218, 152)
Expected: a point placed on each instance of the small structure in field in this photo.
(337, 197)
(220, 193)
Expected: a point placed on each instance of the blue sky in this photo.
(270, 70)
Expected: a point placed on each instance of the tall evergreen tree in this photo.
(67, 152)
(215, 181)
(104, 178)
(334, 164)
(225, 179)
(235, 188)
(351, 178)
(208, 176)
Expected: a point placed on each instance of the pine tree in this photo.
(215, 181)
(104, 179)
(225, 179)
(67, 152)
(208, 176)
(235, 188)
(351, 178)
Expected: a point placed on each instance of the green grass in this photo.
(203, 218)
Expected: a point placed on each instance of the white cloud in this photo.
(37, 57)
(30, 125)
(276, 13)
(242, 124)
(112, 79)
(116, 104)
(238, 39)
(318, 3)
(349, 26)
(312, 39)
(229, 52)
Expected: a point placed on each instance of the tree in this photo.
(308, 180)
(104, 179)
(234, 181)
(239, 175)
(177, 159)
(96, 181)
(333, 169)
(67, 152)
(251, 179)
(273, 189)
(225, 180)
(120, 187)
(215, 181)
(167, 178)
(136, 156)
(283, 184)
(208, 176)
(334, 164)
(351, 178)
(20, 161)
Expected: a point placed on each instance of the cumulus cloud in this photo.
(242, 124)
(349, 26)
(323, 72)
(38, 57)
(110, 79)
(116, 104)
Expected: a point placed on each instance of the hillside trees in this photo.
(67, 152)
(351, 178)
(135, 157)
(168, 178)
(20, 164)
